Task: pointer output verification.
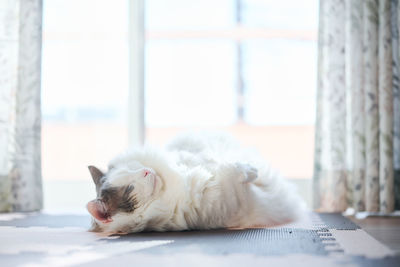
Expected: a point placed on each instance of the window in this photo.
(243, 66)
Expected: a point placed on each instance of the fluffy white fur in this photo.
(199, 181)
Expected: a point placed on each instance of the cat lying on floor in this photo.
(202, 181)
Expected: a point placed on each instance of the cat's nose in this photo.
(146, 172)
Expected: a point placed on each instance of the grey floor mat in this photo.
(337, 221)
(51, 221)
(254, 241)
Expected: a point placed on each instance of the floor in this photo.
(42, 239)
(384, 229)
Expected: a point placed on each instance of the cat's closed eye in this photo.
(128, 202)
(108, 194)
(119, 198)
(127, 206)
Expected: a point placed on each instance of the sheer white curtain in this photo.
(357, 155)
(20, 118)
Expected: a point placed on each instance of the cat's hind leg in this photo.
(247, 172)
(241, 173)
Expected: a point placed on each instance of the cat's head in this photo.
(125, 194)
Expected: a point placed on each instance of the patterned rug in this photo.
(320, 239)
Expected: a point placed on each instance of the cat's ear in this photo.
(96, 175)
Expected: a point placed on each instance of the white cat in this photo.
(200, 181)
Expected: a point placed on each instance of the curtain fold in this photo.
(20, 117)
(357, 145)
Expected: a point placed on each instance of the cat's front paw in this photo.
(249, 172)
